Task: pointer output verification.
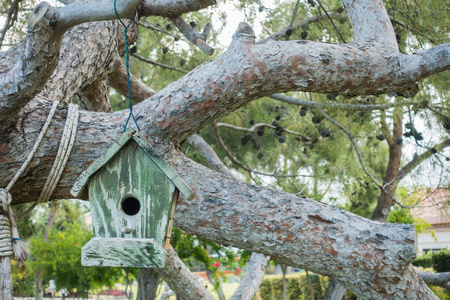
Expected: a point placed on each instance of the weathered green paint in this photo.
(130, 173)
(79, 189)
(130, 168)
(118, 252)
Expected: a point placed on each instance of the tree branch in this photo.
(294, 13)
(254, 129)
(371, 24)
(172, 8)
(325, 105)
(82, 12)
(95, 97)
(308, 233)
(282, 33)
(25, 68)
(358, 153)
(180, 279)
(249, 214)
(406, 169)
(438, 279)
(254, 275)
(155, 63)
(100, 42)
(256, 265)
(331, 20)
(193, 36)
(241, 164)
(207, 152)
(11, 18)
(118, 80)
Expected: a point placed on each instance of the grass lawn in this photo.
(228, 290)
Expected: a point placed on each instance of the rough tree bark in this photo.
(370, 258)
(256, 265)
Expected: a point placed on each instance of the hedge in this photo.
(440, 261)
(296, 287)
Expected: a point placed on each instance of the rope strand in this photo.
(64, 150)
(10, 242)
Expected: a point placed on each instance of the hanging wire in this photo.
(127, 59)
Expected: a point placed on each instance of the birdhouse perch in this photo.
(133, 194)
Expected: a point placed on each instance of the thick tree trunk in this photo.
(148, 284)
(391, 178)
(87, 55)
(95, 97)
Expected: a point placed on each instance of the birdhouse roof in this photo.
(79, 189)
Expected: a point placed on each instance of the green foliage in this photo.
(199, 254)
(23, 280)
(424, 261)
(60, 259)
(441, 261)
(296, 287)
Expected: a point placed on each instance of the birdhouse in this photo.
(133, 194)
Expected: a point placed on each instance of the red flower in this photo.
(238, 269)
(216, 264)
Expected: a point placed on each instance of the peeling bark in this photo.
(371, 24)
(88, 52)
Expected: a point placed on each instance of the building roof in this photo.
(79, 189)
(435, 206)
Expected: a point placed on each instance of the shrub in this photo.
(423, 261)
(441, 261)
(265, 290)
(296, 287)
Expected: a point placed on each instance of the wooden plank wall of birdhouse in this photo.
(131, 173)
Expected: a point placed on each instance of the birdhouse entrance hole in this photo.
(131, 206)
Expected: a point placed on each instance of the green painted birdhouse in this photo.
(133, 193)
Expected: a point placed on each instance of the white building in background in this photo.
(435, 209)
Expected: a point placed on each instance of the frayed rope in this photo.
(10, 242)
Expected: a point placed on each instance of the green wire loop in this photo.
(127, 59)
